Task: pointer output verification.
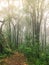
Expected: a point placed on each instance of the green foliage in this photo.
(7, 50)
(31, 52)
(3, 56)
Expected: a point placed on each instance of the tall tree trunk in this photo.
(45, 34)
(17, 42)
(2, 40)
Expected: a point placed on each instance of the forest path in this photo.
(15, 59)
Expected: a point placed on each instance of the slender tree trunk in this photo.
(2, 40)
(17, 42)
(45, 34)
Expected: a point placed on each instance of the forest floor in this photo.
(15, 59)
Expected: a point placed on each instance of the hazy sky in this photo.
(18, 4)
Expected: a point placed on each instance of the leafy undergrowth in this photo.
(34, 57)
(15, 59)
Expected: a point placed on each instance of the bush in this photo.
(31, 52)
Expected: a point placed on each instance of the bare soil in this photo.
(15, 59)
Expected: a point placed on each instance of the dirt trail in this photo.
(16, 59)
